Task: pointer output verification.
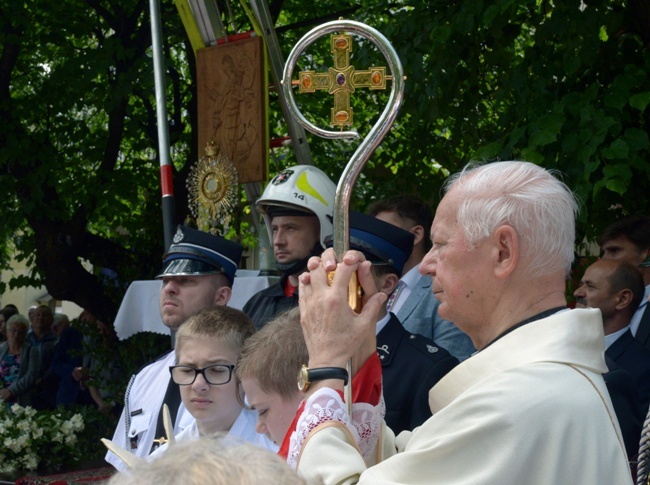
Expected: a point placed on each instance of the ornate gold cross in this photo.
(342, 80)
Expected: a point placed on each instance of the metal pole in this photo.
(296, 132)
(166, 182)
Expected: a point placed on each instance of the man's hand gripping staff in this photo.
(334, 332)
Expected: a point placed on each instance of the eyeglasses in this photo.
(216, 374)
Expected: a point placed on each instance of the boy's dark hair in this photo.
(626, 276)
(407, 207)
(634, 228)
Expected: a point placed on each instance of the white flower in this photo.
(66, 427)
(30, 461)
(26, 434)
(16, 445)
(78, 422)
(30, 412)
(22, 440)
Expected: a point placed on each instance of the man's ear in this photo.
(387, 283)
(507, 253)
(647, 254)
(222, 295)
(623, 299)
(418, 232)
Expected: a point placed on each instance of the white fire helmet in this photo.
(301, 188)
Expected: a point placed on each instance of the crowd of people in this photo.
(468, 365)
(46, 362)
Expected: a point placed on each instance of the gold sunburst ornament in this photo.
(212, 186)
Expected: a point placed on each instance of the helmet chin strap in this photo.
(299, 265)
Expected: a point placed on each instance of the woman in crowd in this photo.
(19, 363)
(7, 312)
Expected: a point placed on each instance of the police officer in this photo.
(298, 210)
(198, 272)
(411, 364)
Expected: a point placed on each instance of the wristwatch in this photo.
(306, 375)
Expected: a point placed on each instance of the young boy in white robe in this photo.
(208, 345)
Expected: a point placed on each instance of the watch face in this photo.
(303, 378)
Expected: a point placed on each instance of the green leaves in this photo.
(640, 101)
(545, 130)
(617, 149)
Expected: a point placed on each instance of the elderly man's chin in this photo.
(443, 310)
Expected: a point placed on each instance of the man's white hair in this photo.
(211, 460)
(530, 199)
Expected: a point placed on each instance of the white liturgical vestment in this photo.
(531, 408)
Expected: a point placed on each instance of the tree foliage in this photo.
(563, 84)
(78, 160)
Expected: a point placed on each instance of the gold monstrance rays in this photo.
(212, 185)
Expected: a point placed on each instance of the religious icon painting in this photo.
(232, 105)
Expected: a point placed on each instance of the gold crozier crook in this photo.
(366, 147)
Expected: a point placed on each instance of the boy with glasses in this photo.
(207, 348)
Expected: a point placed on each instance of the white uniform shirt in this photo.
(136, 428)
(243, 428)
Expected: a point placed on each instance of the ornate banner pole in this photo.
(166, 182)
(341, 81)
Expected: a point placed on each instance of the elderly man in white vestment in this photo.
(530, 407)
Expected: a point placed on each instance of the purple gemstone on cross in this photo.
(340, 79)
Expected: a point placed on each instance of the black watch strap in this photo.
(306, 375)
(322, 373)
